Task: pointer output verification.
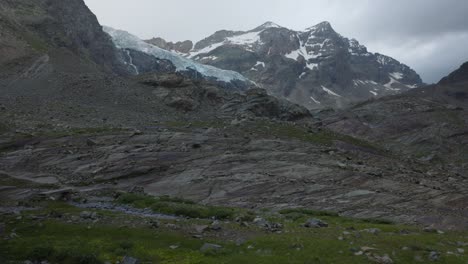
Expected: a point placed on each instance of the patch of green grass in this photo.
(179, 207)
(77, 243)
(35, 42)
(299, 213)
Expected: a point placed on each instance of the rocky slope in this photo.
(429, 123)
(316, 67)
(32, 29)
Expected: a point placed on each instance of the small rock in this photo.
(215, 226)
(315, 223)
(210, 247)
(276, 227)
(381, 260)
(197, 236)
(137, 190)
(235, 122)
(201, 228)
(460, 250)
(434, 256)
(130, 260)
(367, 249)
(462, 244)
(258, 221)
(90, 142)
(88, 215)
(172, 226)
(13, 235)
(244, 224)
(374, 231)
(196, 146)
(240, 242)
(430, 230)
(173, 247)
(155, 224)
(340, 238)
(136, 133)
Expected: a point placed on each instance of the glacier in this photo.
(124, 40)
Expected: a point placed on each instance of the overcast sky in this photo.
(431, 36)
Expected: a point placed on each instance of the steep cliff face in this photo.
(34, 27)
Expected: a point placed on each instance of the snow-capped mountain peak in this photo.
(324, 26)
(298, 65)
(267, 25)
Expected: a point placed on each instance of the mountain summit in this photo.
(316, 67)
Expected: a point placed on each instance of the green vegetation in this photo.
(116, 235)
(179, 207)
(35, 42)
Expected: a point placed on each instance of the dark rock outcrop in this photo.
(181, 46)
(458, 76)
(45, 25)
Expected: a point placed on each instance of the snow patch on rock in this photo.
(330, 92)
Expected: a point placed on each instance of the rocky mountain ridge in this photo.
(316, 67)
(180, 46)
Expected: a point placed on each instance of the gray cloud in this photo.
(429, 35)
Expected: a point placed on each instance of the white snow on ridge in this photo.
(302, 52)
(374, 93)
(389, 85)
(397, 75)
(364, 82)
(271, 25)
(205, 50)
(315, 100)
(125, 40)
(245, 39)
(248, 39)
(260, 63)
(330, 92)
